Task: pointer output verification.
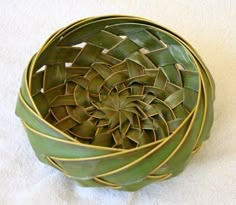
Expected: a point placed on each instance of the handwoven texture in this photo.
(116, 101)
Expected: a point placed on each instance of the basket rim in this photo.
(195, 57)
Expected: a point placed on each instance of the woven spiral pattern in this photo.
(116, 101)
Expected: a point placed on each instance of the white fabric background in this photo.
(210, 26)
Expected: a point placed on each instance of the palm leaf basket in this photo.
(116, 101)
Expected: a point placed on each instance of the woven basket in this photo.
(116, 101)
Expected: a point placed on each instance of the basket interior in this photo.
(115, 84)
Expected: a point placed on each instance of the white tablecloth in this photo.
(209, 25)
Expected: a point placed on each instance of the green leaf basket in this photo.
(116, 101)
